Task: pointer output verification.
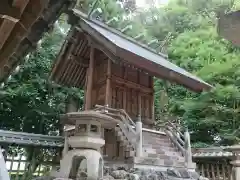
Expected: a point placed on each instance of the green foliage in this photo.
(212, 116)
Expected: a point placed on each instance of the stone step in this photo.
(157, 150)
(173, 154)
(157, 162)
(163, 156)
(156, 139)
(161, 150)
(164, 148)
(158, 143)
(149, 150)
(153, 140)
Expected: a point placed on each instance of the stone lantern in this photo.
(236, 162)
(86, 139)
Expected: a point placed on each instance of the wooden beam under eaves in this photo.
(29, 12)
(6, 26)
(9, 16)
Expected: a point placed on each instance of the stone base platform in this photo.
(147, 163)
(144, 174)
(144, 168)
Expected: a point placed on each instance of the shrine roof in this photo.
(229, 27)
(126, 49)
(22, 25)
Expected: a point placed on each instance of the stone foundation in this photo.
(140, 174)
(121, 173)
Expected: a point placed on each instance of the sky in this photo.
(142, 3)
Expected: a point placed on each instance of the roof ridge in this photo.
(117, 32)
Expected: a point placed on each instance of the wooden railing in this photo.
(180, 140)
(176, 136)
(126, 123)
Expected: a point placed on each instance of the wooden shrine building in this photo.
(115, 70)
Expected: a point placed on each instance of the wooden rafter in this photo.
(22, 24)
(17, 26)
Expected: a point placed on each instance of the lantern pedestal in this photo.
(85, 159)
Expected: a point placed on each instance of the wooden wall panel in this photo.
(132, 74)
(132, 104)
(146, 106)
(127, 86)
(144, 80)
(117, 97)
(117, 70)
(100, 73)
(100, 95)
(129, 101)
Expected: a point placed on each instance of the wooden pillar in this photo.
(88, 102)
(152, 99)
(125, 89)
(125, 98)
(108, 96)
(139, 100)
(152, 108)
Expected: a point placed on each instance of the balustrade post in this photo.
(236, 161)
(140, 139)
(236, 170)
(188, 150)
(66, 146)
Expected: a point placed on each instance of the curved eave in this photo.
(22, 25)
(229, 27)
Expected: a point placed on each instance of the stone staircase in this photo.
(159, 146)
(160, 149)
